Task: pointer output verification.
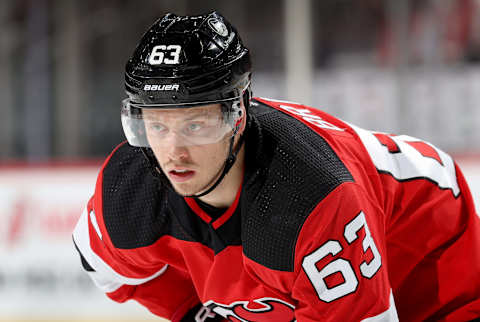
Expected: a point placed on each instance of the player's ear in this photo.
(242, 121)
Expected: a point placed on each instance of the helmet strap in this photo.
(232, 157)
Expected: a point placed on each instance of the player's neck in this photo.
(224, 194)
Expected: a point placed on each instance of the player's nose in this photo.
(176, 148)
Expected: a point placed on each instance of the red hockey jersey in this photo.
(332, 223)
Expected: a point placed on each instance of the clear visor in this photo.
(150, 126)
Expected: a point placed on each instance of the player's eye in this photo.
(194, 128)
(157, 128)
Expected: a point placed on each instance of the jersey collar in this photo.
(192, 203)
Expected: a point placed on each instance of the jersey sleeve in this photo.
(165, 290)
(133, 270)
(433, 229)
(340, 261)
(441, 280)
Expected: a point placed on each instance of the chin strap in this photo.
(232, 157)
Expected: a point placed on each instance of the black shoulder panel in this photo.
(295, 169)
(136, 211)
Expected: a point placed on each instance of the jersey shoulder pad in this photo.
(134, 202)
(296, 170)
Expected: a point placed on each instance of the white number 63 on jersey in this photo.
(340, 265)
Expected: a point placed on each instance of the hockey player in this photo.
(223, 207)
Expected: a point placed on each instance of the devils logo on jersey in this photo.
(265, 309)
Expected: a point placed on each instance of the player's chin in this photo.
(185, 191)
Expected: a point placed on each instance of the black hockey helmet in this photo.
(188, 60)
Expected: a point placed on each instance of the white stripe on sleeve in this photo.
(104, 276)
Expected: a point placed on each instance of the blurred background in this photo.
(410, 66)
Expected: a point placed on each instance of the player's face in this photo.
(190, 164)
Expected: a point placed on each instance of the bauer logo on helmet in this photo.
(161, 87)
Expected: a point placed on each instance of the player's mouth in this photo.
(180, 175)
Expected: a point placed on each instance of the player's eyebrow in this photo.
(184, 115)
(193, 116)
